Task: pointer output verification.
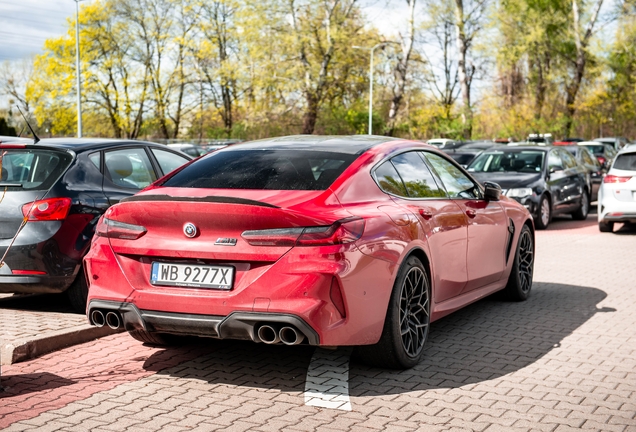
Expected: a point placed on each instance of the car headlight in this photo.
(519, 192)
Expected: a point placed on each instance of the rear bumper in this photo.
(34, 284)
(237, 325)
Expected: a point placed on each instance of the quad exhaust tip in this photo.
(113, 321)
(268, 334)
(98, 318)
(290, 336)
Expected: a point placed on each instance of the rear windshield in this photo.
(626, 161)
(596, 149)
(263, 169)
(31, 169)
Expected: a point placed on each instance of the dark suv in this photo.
(544, 179)
(51, 196)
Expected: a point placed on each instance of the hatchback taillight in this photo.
(51, 209)
(120, 230)
(616, 179)
(340, 232)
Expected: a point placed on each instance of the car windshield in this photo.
(26, 169)
(522, 161)
(263, 169)
(626, 161)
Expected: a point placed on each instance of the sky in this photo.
(26, 24)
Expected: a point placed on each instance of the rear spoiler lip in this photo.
(210, 199)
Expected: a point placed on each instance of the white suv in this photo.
(617, 194)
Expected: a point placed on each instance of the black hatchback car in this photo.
(51, 196)
(546, 180)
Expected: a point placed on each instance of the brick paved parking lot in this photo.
(563, 360)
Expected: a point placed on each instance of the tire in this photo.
(401, 345)
(158, 339)
(584, 209)
(545, 213)
(520, 279)
(77, 293)
(606, 226)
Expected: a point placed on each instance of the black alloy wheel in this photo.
(521, 274)
(406, 326)
(414, 317)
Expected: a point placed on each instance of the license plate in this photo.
(192, 275)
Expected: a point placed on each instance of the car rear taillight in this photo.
(51, 209)
(601, 160)
(616, 179)
(120, 230)
(340, 232)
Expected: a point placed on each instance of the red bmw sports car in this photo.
(359, 240)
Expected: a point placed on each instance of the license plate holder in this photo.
(192, 275)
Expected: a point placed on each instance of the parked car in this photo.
(443, 143)
(616, 142)
(585, 158)
(356, 240)
(189, 149)
(617, 195)
(603, 152)
(61, 187)
(546, 180)
(543, 139)
(466, 153)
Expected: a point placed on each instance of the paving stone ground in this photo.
(564, 360)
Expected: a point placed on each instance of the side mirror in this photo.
(554, 169)
(492, 191)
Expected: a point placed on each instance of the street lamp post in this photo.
(372, 49)
(78, 72)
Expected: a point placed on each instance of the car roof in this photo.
(347, 144)
(519, 148)
(81, 144)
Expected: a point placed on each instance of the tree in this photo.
(401, 68)
(469, 17)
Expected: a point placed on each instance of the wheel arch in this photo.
(421, 255)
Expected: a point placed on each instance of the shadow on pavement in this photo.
(565, 222)
(20, 384)
(242, 363)
(37, 303)
(487, 340)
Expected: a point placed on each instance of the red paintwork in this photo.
(463, 242)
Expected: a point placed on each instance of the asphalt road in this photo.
(563, 360)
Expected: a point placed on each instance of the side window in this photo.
(568, 159)
(168, 161)
(96, 159)
(389, 180)
(458, 185)
(417, 177)
(129, 168)
(554, 161)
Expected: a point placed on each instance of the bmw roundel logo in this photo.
(190, 230)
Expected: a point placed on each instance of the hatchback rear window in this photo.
(626, 161)
(263, 169)
(31, 169)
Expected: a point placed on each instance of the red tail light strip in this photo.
(616, 179)
(340, 232)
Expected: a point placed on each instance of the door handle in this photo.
(471, 213)
(426, 213)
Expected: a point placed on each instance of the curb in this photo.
(25, 349)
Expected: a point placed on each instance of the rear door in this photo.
(126, 171)
(487, 224)
(443, 223)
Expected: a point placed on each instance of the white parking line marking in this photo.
(327, 383)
